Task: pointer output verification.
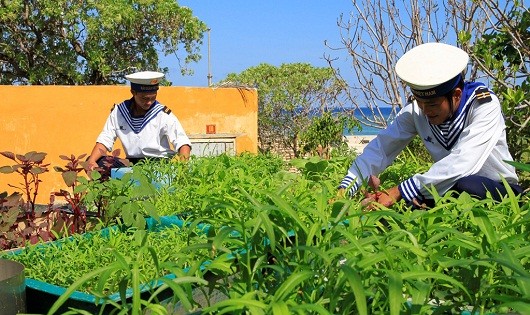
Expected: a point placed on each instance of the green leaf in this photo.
(71, 289)
(268, 226)
(354, 279)
(522, 307)
(285, 207)
(150, 209)
(434, 275)
(309, 309)
(279, 308)
(233, 304)
(518, 165)
(291, 285)
(483, 222)
(395, 289)
(318, 167)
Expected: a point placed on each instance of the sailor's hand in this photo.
(90, 166)
(384, 198)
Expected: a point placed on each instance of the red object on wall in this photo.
(210, 129)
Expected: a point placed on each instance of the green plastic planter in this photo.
(41, 296)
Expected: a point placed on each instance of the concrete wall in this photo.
(65, 120)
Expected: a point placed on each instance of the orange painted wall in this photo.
(65, 120)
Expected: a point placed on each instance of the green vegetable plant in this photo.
(283, 246)
(196, 186)
(129, 198)
(280, 241)
(126, 270)
(130, 272)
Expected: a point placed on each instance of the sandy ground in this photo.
(358, 142)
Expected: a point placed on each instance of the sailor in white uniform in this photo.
(146, 128)
(460, 124)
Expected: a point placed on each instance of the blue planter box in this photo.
(40, 296)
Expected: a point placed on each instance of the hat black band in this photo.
(439, 90)
(144, 88)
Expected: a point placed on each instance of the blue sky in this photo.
(246, 33)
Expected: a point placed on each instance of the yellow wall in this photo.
(65, 120)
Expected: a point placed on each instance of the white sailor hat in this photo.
(432, 69)
(145, 81)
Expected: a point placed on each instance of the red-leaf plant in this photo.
(15, 231)
(9, 210)
(76, 221)
(29, 166)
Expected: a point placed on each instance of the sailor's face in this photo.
(144, 99)
(437, 110)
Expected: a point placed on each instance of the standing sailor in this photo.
(460, 124)
(146, 128)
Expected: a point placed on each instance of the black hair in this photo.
(449, 95)
(460, 85)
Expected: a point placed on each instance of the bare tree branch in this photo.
(374, 35)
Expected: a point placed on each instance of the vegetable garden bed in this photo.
(308, 251)
(68, 259)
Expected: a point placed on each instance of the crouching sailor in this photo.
(460, 124)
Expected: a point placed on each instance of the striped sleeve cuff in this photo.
(349, 183)
(409, 190)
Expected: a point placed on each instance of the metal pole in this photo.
(209, 66)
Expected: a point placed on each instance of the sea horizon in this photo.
(368, 130)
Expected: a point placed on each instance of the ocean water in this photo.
(369, 130)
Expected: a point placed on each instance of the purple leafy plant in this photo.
(29, 166)
(76, 220)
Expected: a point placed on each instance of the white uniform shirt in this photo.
(147, 136)
(473, 142)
